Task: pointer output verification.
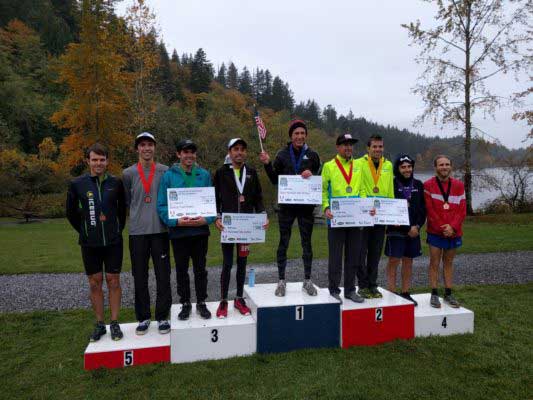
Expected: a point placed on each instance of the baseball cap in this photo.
(236, 141)
(186, 144)
(346, 138)
(144, 136)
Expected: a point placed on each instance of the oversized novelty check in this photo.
(293, 189)
(243, 228)
(390, 211)
(351, 211)
(191, 202)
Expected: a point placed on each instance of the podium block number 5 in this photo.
(379, 314)
(299, 313)
(128, 358)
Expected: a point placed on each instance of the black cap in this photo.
(236, 141)
(297, 123)
(144, 136)
(346, 138)
(186, 144)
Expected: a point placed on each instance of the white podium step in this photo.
(441, 321)
(211, 339)
(131, 350)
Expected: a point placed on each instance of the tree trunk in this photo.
(467, 118)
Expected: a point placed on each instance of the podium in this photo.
(376, 321)
(296, 321)
(441, 321)
(211, 339)
(131, 350)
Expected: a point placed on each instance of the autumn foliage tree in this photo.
(96, 108)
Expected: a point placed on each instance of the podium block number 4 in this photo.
(128, 358)
(379, 314)
(299, 313)
(444, 323)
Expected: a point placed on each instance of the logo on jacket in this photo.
(92, 209)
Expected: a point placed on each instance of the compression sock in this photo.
(435, 291)
(447, 291)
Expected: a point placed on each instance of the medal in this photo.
(102, 217)
(446, 206)
(240, 185)
(347, 176)
(241, 198)
(146, 183)
(376, 172)
(446, 195)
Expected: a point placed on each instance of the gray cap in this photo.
(236, 141)
(144, 136)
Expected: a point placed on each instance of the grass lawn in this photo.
(42, 357)
(51, 245)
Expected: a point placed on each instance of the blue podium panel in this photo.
(296, 321)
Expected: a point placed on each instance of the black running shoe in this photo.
(407, 296)
(116, 333)
(185, 312)
(99, 331)
(202, 310)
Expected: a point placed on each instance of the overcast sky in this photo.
(352, 54)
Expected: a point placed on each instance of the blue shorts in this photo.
(444, 242)
(403, 246)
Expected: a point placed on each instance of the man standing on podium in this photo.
(376, 181)
(294, 159)
(189, 235)
(148, 235)
(238, 190)
(341, 177)
(446, 211)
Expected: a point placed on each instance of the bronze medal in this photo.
(376, 189)
(147, 199)
(241, 198)
(102, 217)
(446, 206)
(348, 189)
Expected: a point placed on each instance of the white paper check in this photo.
(191, 202)
(390, 211)
(293, 189)
(351, 211)
(243, 228)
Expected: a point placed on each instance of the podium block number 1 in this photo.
(128, 358)
(299, 313)
(379, 314)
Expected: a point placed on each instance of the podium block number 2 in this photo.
(379, 314)
(299, 313)
(128, 358)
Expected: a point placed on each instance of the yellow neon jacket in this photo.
(334, 184)
(385, 183)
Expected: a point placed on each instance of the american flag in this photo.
(261, 129)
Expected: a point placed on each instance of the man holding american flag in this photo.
(294, 159)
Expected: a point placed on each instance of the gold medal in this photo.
(376, 172)
(376, 189)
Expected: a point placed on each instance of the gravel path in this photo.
(70, 291)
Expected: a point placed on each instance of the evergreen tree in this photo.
(245, 82)
(330, 119)
(165, 84)
(201, 73)
(175, 58)
(221, 75)
(266, 94)
(233, 77)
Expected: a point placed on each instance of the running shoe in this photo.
(375, 293)
(336, 296)
(202, 311)
(407, 296)
(281, 288)
(240, 305)
(365, 293)
(309, 288)
(98, 332)
(434, 302)
(142, 328)
(222, 310)
(185, 312)
(163, 326)
(353, 296)
(116, 333)
(451, 301)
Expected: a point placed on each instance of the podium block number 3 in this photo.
(214, 335)
(128, 358)
(299, 313)
(379, 314)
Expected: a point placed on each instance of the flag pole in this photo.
(258, 133)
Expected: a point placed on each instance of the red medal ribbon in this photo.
(146, 183)
(347, 177)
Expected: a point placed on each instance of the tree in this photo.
(96, 108)
(165, 83)
(201, 73)
(330, 119)
(232, 79)
(221, 75)
(474, 40)
(245, 82)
